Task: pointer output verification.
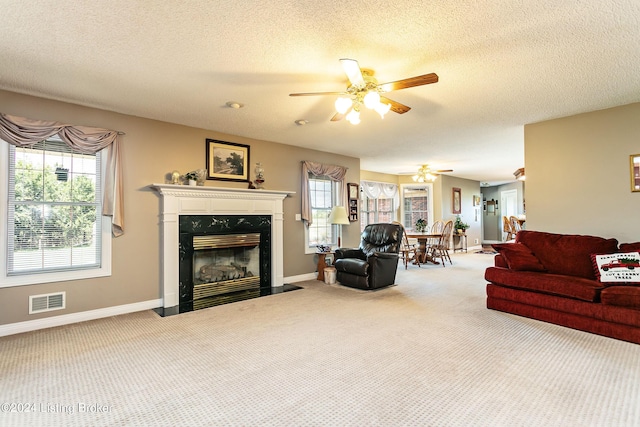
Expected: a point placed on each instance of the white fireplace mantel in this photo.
(199, 200)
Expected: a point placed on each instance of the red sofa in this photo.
(551, 277)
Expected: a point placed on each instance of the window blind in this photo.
(54, 213)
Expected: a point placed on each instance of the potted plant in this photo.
(460, 226)
(421, 225)
(191, 177)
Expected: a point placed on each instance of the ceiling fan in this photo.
(364, 90)
(425, 174)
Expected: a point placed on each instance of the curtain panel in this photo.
(335, 173)
(374, 190)
(23, 132)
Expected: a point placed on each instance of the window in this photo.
(417, 204)
(323, 193)
(376, 210)
(54, 227)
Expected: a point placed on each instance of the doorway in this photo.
(509, 200)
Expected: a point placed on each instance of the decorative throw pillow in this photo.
(519, 257)
(630, 247)
(616, 269)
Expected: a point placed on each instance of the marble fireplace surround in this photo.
(177, 200)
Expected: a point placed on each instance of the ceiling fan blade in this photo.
(317, 93)
(425, 79)
(444, 170)
(353, 72)
(396, 107)
(337, 117)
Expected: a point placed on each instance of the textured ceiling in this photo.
(502, 64)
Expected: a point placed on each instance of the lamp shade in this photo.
(338, 215)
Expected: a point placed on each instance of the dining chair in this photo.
(409, 251)
(442, 248)
(515, 224)
(508, 229)
(436, 228)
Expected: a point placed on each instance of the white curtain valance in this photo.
(23, 132)
(333, 172)
(374, 190)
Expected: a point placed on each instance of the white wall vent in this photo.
(47, 302)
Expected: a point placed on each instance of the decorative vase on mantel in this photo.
(259, 181)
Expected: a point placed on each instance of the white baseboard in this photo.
(301, 278)
(66, 319)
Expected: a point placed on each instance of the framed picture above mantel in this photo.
(227, 161)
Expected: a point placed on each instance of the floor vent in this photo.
(46, 302)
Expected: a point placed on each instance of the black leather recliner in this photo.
(374, 264)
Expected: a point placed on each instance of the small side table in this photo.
(462, 239)
(322, 263)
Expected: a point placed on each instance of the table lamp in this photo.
(339, 217)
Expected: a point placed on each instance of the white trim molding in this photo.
(83, 316)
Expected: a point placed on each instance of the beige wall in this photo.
(379, 177)
(578, 177)
(468, 189)
(151, 150)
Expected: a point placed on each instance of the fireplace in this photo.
(198, 216)
(223, 258)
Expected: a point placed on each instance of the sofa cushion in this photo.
(519, 257)
(622, 296)
(617, 268)
(566, 254)
(499, 261)
(555, 306)
(553, 284)
(630, 247)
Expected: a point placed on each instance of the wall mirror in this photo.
(635, 172)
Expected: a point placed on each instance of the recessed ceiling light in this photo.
(301, 122)
(234, 105)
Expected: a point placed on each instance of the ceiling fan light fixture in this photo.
(382, 109)
(354, 117)
(343, 104)
(424, 175)
(364, 90)
(372, 99)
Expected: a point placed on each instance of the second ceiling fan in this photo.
(364, 90)
(425, 174)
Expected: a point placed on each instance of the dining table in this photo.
(425, 240)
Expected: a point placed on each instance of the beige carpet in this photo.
(423, 353)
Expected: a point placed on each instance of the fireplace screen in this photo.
(225, 263)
